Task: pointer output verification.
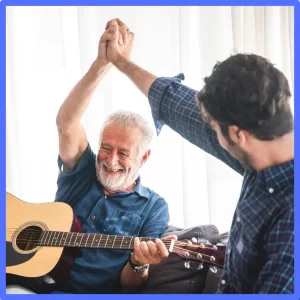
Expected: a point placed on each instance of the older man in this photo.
(105, 191)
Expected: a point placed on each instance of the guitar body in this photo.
(40, 269)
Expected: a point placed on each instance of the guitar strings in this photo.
(105, 240)
(35, 236)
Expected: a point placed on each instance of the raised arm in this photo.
(172, 103)
(72, 137)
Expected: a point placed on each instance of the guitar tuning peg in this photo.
(200, 266)
(187, 264)
(186, 254)
(213, 269)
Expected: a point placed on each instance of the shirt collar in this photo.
(141, 190)
(279, 176)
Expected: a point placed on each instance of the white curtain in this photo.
(50, 48)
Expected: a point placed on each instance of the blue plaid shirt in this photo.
(260, 251)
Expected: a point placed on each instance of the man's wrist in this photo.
(123, 64)
(136, 266)
(99, 67)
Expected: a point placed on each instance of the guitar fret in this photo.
(76, 236)
(92, 245)
(48, 243)
(96, 240)
(106, 241)
(70, 238)
(64, 238)
(125, 240)
(44, 234)
(122, 242)
(90, 240)
(57, 239)
(100, 240)
(51, 238)
(109, 241)
(113, 244)
(54, 239)
(82, 235)
(130, 246)
(87, 239)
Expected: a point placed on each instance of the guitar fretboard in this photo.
(87, 240)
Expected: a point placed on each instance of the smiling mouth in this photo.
(113, 170)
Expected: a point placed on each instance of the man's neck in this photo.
(128, 189)
(273, 153)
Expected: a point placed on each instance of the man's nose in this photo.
(113, 159)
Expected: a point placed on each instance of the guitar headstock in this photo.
(200, 252)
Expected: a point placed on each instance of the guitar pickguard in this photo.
(14, 258)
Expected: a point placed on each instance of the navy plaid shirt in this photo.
(260, 250)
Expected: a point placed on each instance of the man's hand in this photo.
(108, 35)
(122, 29)
(150, 253)
(120, 43)
(118, 52)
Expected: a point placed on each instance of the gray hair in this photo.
(130, 119)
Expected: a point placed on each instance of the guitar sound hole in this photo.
(28, 238)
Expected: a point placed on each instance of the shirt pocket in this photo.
(122, 223)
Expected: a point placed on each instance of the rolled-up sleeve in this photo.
(72, 186)
(174, 104)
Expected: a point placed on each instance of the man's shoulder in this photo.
(148, 193)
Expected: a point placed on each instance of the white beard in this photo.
(119, 181)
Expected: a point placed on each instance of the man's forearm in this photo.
(140, 77)
(74, 106)
(131, 280)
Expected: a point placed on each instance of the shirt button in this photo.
(238, 219)
(93, 217)
(228, 251)
(105, 197)
(223, 281)
(271, 190)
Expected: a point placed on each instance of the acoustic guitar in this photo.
(42, 241)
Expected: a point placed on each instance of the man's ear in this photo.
(145, 157)
(238, 136)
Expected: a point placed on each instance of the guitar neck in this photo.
(87, 240)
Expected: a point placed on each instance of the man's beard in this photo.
(119, 181)
(243, 158)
